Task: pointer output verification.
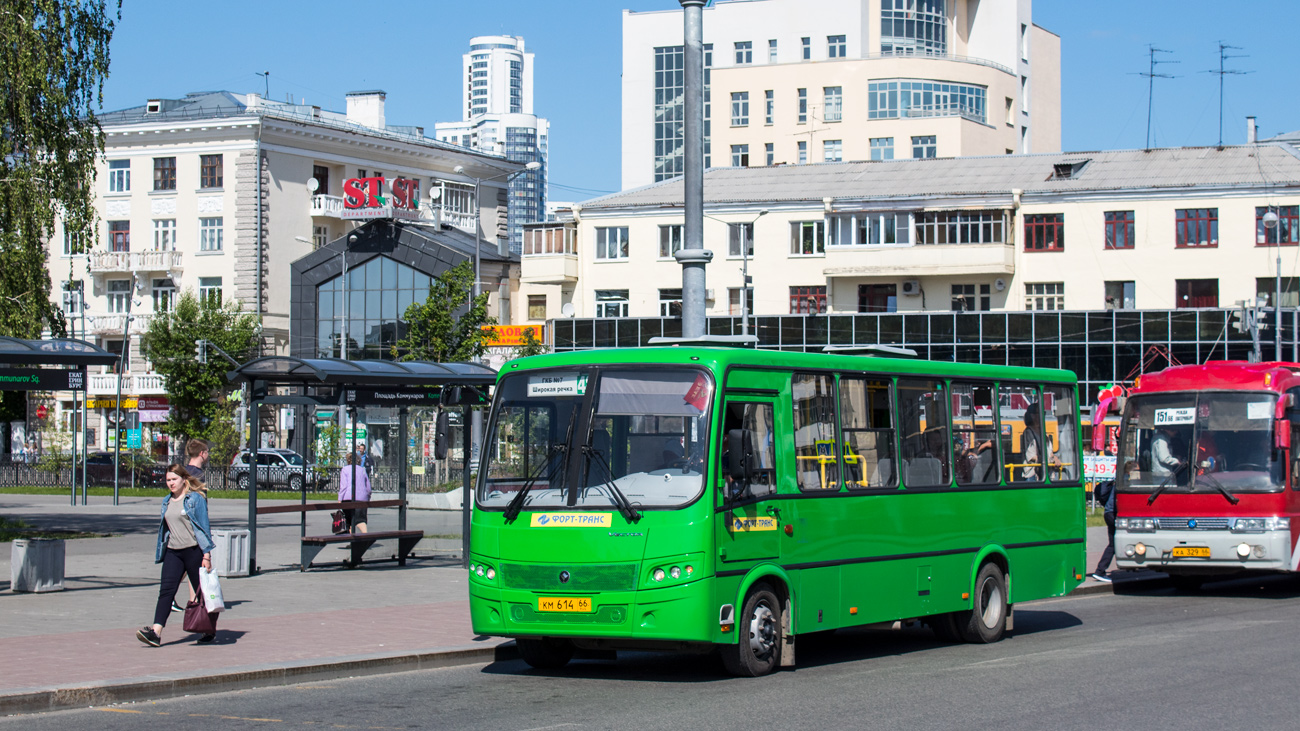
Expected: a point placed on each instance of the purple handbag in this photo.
(198, 619)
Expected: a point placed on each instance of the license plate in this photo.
(1191, 551)
(564, 604)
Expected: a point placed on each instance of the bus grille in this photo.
(1184, 523)
(582, 577)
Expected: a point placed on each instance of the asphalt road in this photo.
(1154, 660)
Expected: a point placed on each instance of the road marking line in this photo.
(118, 710)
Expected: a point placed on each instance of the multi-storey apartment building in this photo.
(498, 117)
(788, 82)
(184, 204)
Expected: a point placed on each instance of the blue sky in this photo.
(321, 50)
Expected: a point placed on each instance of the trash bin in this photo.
(36, 565)
(230, 556)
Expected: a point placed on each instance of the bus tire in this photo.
(946, 626)
(987, 619)
(758, 650)
(545, 653)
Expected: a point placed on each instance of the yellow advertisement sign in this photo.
(572, 520)
(746, 525)
(513, 335)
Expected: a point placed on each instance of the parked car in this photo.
(99, 471)
(276, 467)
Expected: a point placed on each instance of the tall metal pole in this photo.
(478, 237)
(85, 395)
(77, 301)
(1277, 302)
(693, 256)
(122, 364)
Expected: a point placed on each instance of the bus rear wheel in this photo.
(987, 619)
(545, 653)
(758, 650)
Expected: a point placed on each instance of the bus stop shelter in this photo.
(23, 368)
(352, 383)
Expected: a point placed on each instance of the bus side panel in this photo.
(817, 600)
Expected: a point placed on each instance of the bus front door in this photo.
(750, 522)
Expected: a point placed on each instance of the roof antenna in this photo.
(266, 77)
(1223, 56)
(1151, 80)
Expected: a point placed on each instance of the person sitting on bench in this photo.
(354, 486)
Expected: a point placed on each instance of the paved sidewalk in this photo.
(78, 647)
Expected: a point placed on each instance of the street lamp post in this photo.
(478, 212)
(745, 241)
(1271, 226)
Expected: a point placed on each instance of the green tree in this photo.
(194, 388)
(443, 328)
(53, 61)
(531, 345)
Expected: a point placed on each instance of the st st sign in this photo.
(366, 198)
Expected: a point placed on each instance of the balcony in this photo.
(327, 205)
(107, 262)
(146, 384)
(115, 324)
(922, 260)
(550, 254)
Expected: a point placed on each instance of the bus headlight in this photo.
(1248, 525)
(1130, 550)
(1140, 549)
(675, 572)
(658, 575)
(1243, 551)
(1136, 525)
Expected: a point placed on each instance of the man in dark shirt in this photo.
(196, 450)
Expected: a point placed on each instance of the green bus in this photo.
(694, 498)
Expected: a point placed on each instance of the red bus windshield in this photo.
(1199, 442)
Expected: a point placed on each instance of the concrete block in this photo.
(36, 565)
(230, 554)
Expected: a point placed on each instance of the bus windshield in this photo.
(1199, 442)
(645, 437)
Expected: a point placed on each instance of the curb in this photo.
(1153, 582)
(56, 699)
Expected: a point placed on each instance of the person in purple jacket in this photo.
(354, 486)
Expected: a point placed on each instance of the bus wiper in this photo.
(1165, 485)
(620, 500)
(1214, 482)
(517, 502)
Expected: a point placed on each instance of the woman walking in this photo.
(354, 485)
(184, 544)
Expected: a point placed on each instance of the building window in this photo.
(807, 300)
(1119, 229)
(211, 234)
(769, 106)
(739, 108)
(164, 295)
(611, 303)
(740, 301)
(924, 146)
(1267, 287)
(803, 106)
(874, 228)
(536, 307)
(1287, 229)
(164, 173)
(877, 298)
(210, 289)
(322, 176)
(914, 27)
(740, 156)
(119, 176)
(1196, 227)
(771, 51)
(769, 154)
(832, 150)
(611, 242)
(805, 45)
(669, 112)
(1120, 296)
(73, 301)
(210, 171)
(73, 243)
(1196, 293)
(118, 292)
(1045, 232)
(965, 299)
(1045, 296)
(744, 53)
(836, 47)
(670, 303)
(914, 98)
(320, 236)
(670, 240)
(554, 239)
(807, 238)
(803, 152)
(164, 234)
(833, 97)
(119, 235)
(961, 227)
(737, 233)
(882, 148)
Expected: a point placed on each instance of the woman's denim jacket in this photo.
(195, 506)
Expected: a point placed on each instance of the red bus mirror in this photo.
(1282, 434)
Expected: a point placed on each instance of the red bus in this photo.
(1204, 483)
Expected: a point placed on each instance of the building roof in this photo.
(1267, 165)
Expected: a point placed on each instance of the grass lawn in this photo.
(158, 492)
(1095, 516)
(11, 529)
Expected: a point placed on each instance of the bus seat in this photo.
(883, 473)
(984, 471)
(923, 471)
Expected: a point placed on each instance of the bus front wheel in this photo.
(758, 650)
(545, 653)
(987, 619)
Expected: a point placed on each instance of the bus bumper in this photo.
(1184, 551)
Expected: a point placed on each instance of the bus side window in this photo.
(816, 458)
(868, 428)
(1060, 422)
(974, 435)
(758, 419)
(923, 422)
(1022, 446)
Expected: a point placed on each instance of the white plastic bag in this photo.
(211, 587)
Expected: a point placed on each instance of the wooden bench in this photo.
(359, 542)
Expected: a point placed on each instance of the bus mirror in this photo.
(740, 455)
(1282, 434)
(440, 436)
